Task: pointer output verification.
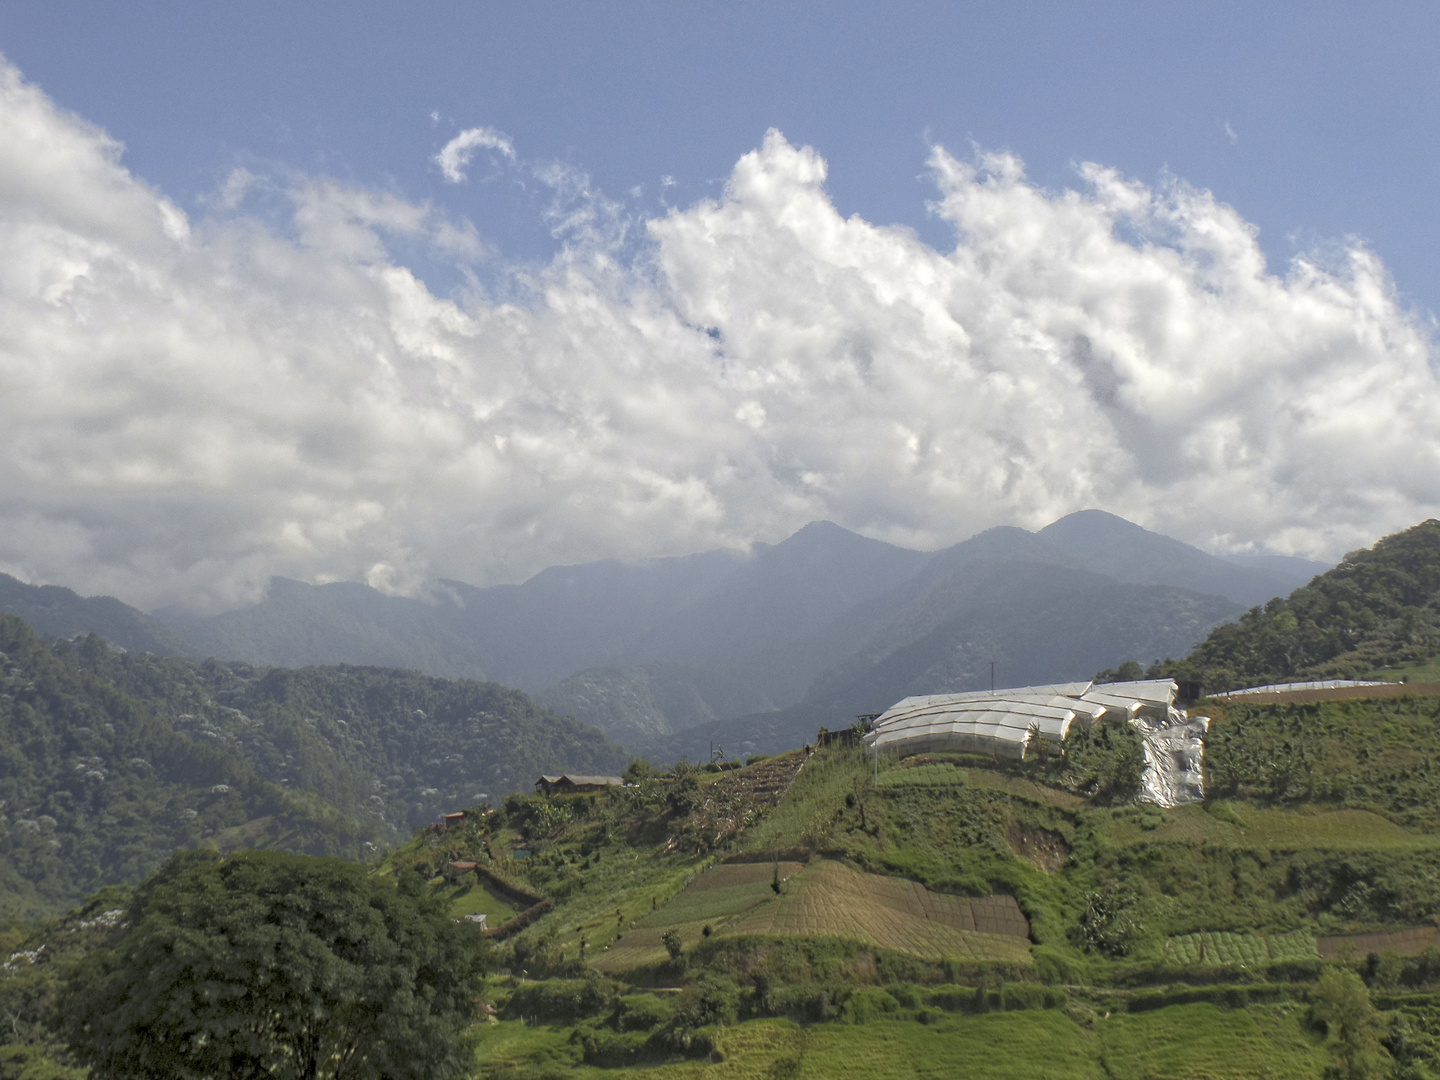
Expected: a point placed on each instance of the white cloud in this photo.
(455, 156)
(186, 411)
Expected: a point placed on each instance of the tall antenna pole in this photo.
(992, 676)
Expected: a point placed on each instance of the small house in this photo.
(574, 784)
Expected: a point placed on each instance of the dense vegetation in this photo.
(97, 789)
(110, 761)
(1380, 608)
(393, 746)
(745, 919)
(281, 966)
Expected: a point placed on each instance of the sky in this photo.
(392, 293)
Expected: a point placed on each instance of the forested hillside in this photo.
(1379, 609)
(110, 761)
(97, 788)
(395, 746)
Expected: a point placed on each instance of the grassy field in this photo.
(1207, 1043)
(480, 899)
(1183, 1042)
(1232, 823)
(829, 899)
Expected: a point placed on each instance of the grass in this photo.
(973, 1047)
(1209, 949)
(1182, 1042)
(828, 899)
(806, 815)
(1232, 823)
(480, 899)
(1204, 1042)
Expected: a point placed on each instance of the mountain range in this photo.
(670, 655)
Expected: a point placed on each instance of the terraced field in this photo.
(1246, 825)
(719, 894)
(828, 899)
(1220, 949)
(1410, 942)
(1185, 1042)
(480, 899)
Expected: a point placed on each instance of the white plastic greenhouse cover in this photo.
(1291, 687)
(1001, 723)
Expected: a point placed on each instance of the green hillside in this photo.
(803, 915)
(807, 915)
(111, 760)
(97, 789)
(1378, 611)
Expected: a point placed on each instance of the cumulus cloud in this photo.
(187, 407)
(454, 157)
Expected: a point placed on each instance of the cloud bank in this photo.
(187, 407)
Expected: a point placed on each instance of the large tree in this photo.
(278, 966)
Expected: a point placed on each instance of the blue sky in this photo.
(398, 292)
(1317, 121)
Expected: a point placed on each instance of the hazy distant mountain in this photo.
(109, 762)
(298, 625)
(829, 618)
(60, 612)
(1111, 545)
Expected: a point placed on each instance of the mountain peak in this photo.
(1095, 526)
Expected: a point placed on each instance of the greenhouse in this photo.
(1003, 723)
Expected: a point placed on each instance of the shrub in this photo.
(710, 1000)
(640, 1012)
(866, 1003)
(1030, 996)
(565, 1001)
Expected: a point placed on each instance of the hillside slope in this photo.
(55, 611)
(97, 789)
(1379, 609)
(110, 761)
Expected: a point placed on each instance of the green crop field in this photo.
(1246, 825)
(1253, 950)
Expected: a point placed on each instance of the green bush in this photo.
(1030, 996)
(565, 1001)
(866, 1003)
(640, 1012)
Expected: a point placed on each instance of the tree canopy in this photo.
(1379, 608)
(281, 966)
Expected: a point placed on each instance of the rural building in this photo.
(573, 783)
(1003, 723)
